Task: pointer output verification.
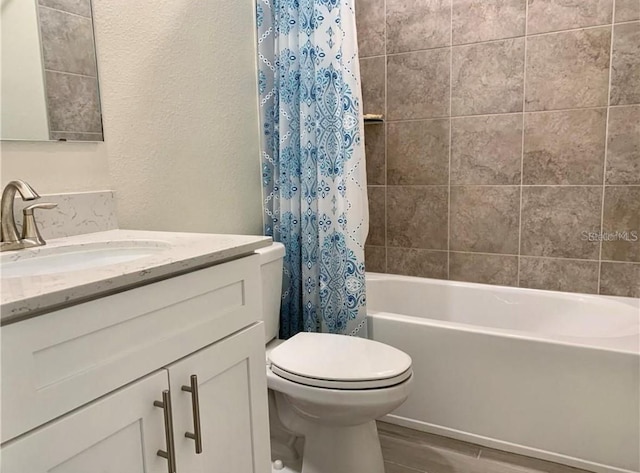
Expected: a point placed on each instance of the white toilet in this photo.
(327, 389)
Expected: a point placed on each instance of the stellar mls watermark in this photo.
(624, 235)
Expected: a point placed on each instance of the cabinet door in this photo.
(232, 391)
(120, 433)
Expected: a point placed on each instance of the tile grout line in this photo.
(497, 185)
(481, 115)
(624, 105)
(384, 134)
(90, 18)
(507, 38)
(568, 30)
(606, 143)
(507, 255)
(71, 74)
(450, 139)
(524, 104)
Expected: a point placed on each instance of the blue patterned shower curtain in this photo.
(313, 166)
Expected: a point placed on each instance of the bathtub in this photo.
(546, 374)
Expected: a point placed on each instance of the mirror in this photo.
(49, 88)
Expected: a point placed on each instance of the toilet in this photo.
(325, 390)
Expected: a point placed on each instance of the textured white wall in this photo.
(178, 79)
(178, 88)
(52, 167)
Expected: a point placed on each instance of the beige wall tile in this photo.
(79, 7)
(418, 85)
(484, 20)
(67, 42)
(565, 147)
(488, 77)
(554, 15)
(377, 222)
(625, 70)
(373, 78)
(374, 148)
(554, 220)
(418, 152)
(559, 274)
(485, 219)
(370, 22)
(620, 279)
(417, 217)
(486, 149)
(623, 152)
(418, 24)
(375, 259)
(416, 262)
(485, 269)
(568, 70)
(627, 10)
(621, 214)
(471, 136)
(73, 103)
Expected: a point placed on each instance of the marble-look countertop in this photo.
(24, 297)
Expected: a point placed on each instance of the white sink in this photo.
(63, 259)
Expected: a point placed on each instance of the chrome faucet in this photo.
(9, 239)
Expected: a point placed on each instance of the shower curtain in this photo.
(313, 166)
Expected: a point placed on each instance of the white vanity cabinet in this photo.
(79, 384)
(231, 388)
(122, 432)
(119, 433)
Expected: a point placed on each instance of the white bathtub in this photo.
(546, 374)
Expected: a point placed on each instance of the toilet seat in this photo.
(344, 402)
(339, 362)
(330, 384)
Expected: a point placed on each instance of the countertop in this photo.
(24, 297)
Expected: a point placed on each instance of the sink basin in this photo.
(63, 259)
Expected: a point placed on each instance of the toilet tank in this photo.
(271, 259)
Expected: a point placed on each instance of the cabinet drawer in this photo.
(59, 361)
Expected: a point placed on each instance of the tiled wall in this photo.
(71, 76)
(512, 133)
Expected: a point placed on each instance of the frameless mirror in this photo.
(49, 88)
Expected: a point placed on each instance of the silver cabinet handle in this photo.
(195, 407)
(170, 453)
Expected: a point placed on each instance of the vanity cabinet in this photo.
(124, 431)
(234, 421)
(82, 387)
(119, 433)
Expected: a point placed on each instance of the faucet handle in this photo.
(29, 227)
(44, 205)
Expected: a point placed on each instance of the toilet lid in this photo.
(339, 361)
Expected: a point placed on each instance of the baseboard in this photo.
(501, 445)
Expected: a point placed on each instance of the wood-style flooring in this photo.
(409, 451)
